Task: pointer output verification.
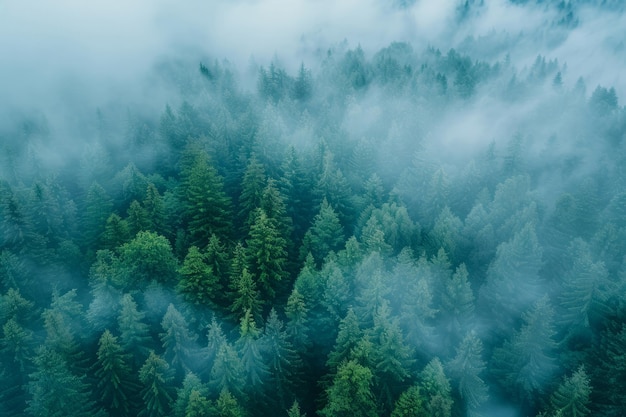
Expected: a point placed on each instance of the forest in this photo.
(381, 233)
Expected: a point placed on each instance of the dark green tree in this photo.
(350, 393)
(252, 185)
(266, 254)
(98, 207)
(410, 404)
(137, 218)
(154, 207)
(55, 391)
(247, 297)
(198, 283)
(155, 376)
(283, 362)
(148, 257)
(116, 232)
(249, 348)
(435, 387)
(325, 235)
(207, 207)
(116, 388)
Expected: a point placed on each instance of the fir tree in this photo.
(155, 376)
(115, 386)
(572, 397)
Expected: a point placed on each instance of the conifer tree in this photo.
(410, 404)
(283, 362)
(572, 397)
(98, 206)
(198, 283)
(155, 376)
(247, 297)
(248, 347)
(350, 393)
(178, 341)
(116, 232)
(228, 406)
(252, 186)
(465, 368)
(207, 207)
(55, 391)
(227, 372)
(134, 336)
(435, 386)
(137, 218)
(297, 318)
(526, 362)
(154, 207)
(266, 254)
(325, 235)
(115, 386)
(191, 386)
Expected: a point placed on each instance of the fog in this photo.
(450, 173)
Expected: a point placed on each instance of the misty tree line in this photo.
(303, 248)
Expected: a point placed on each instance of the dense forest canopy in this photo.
(408, 229)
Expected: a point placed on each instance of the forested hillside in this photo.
(394, 232)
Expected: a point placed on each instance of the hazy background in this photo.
(55, 52)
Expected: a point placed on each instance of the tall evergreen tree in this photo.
(134, 335)
(572, 397)
(325, 235)
(55, 391)
(155, 376)
(350, 393)
(465, 368)
(207, 207)
(198, 283)
(116, 388)
(266, 254)
(178, 341)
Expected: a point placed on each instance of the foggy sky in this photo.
(99, 49)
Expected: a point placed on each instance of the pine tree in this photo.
(297, 318)
(325, 235)
(198, 283)
(252, 185)
(228, 406)
(457, 304)
(248, 347)
(137, 218)
(115, 386)
(513, 282)
(283, 362)
(134, 336)
(350, 393)
(178, 341)
(207, 207)
(526, 362)
(198, 406)
(410, 404)
(55, 391)
(217, 257)
(155, 375)
(572, 397)
(465, 368)
(154, 207)
(227, 372)
(266, 254)
(116, 232)
(436, 388)
(247, 297)
(191, 386)
(98, 206)
(348, 339)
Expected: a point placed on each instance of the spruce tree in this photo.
(178, 341)
(571, 399)
(115, 386)
(155, 376)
